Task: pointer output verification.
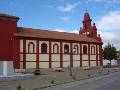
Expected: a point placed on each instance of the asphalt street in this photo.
(106, 82)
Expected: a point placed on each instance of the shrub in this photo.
(37, 72)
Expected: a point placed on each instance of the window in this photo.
(84, 49)
(31, 47)
(66, 49)
(75, 49)
(92, 49)
(55, 48)
(43, 48)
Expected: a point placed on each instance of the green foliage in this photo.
(109, 52)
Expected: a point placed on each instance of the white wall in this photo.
(43, 64)
(21, 57)
(92, 63)
(30, 57)
(92, 57)
(85, 63)
(30, 64)
(40, 42)
(55, 57)
(84, 57)
(66, 64)
(73, 44)
(92, 50)
(66, 57)
(82, 48)
(113, 62)
(76, 57)
(55, 64)
(98, 49)
(21, 45)
(53, 44)
(21, 65)
(27, 42)
(63, 46)
(44, 57)
(76, 63)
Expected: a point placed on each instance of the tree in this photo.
(109, 52)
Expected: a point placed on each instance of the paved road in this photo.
(107, 82)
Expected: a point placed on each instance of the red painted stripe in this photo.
(71, 55)
(80, 55)
(15, 52)
(96, 55)
(61, 55)
(24, 55)
(37, 55)
(50, 55)
(100, 49)
(89, 54)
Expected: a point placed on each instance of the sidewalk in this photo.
(51, 77)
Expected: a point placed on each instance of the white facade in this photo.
(32, 57)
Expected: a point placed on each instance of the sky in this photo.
(67, 15)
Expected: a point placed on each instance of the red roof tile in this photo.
(37, 33)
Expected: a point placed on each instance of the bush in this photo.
(37, 72)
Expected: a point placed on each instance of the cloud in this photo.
(65, 19)
(68, 7)
(111, 37)
(59, 30)
(110, 21)
(75, 31)
(65, 30)
(109, 28)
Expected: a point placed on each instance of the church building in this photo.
(36, 48)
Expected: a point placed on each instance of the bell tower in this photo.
(86, 21)
(89, 29)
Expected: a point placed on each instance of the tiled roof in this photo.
(37, 33)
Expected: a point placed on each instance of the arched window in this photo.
(55, 48)
(75, 49)
(43, 48)
(84, 49)
(31, 47)
(66, 49)
(92, 49)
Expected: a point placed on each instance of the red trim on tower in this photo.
(100, 54)
(96, 55)
(50, 55)
(24, 54)
(89, 54)
(37, 55)
(71, 55)
(61, 55)
(80, 55)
